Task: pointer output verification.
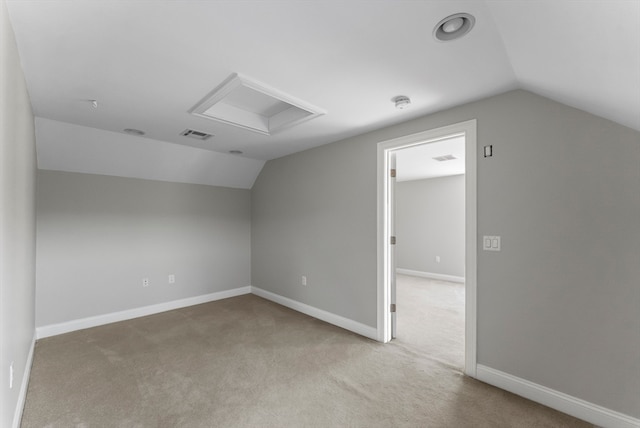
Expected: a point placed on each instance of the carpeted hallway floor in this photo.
(247, 362)
(431, 318)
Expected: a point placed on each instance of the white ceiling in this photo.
(418, 163)
(111, 153)
(149, 62)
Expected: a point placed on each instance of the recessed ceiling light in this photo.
(235, 152)
(453, 27)
(402, 102)
(132, 131)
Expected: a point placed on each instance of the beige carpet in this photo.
(247, 362)
(431, 318)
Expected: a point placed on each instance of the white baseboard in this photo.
(346, 323)
(69, 326)
(431, 275)
(565, 403)
(22, 396)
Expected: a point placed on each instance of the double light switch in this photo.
(491, 243)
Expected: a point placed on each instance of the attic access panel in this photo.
(245, 103)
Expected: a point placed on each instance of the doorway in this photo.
(387, 152)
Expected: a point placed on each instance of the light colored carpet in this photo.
(247, 362)
(431, 318)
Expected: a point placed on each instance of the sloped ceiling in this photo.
(585, 54)
(147, 63)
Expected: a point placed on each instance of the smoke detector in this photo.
(402, 102)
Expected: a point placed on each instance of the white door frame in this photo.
(385, 149)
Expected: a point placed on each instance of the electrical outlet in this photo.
(11, 375)
(304, 280)
(172, 279)
(145, 282)
(437, 259)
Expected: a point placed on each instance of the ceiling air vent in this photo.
(198, 135)
(444, 158)
(247, 104)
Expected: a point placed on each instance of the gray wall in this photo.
(557, 306)
(429, 223)
(310, 217)
(98, 236)
(17, 221)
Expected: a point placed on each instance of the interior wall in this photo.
(310, 217)
(17, 223)
(99, 236)
(430, 223)
(558, 306)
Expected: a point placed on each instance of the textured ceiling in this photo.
(149, 62)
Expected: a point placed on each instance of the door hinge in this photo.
(393, 307)
(393, 172)
(393, 240)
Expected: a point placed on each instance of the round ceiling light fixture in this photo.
(132, 131)
(402, 102)
(453, 27)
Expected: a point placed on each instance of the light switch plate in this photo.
(491, 243)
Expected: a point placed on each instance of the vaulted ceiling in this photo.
(149, 63)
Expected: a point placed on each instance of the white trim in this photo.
(468, 129)
(431, 275)
(565, 403)
(69, 326)
(346, 323)
(383, 295)
(471, 247)
(22, 395)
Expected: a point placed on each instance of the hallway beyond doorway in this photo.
(431, 316)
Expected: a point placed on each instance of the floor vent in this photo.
(198, 135)
(444, 158)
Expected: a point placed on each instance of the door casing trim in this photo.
(384, 148)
